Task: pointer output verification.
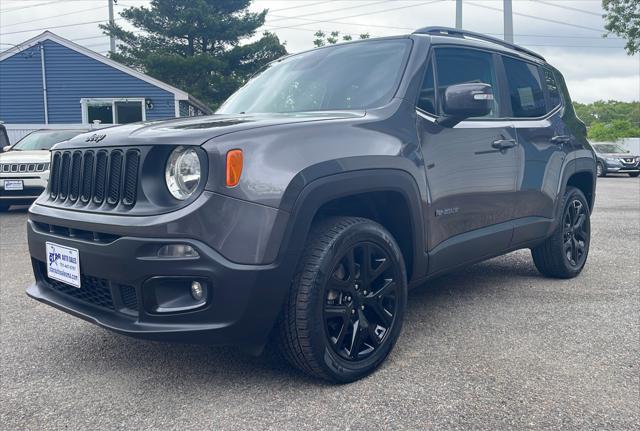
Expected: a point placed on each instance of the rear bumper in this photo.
(242, 303)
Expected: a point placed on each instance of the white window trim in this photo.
(84, 103)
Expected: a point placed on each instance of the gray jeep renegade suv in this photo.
(328, 185)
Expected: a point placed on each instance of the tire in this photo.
(634, 174)
(329, 293)
(600, 170)
(564, 254)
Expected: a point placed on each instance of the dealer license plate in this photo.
(63, 264)
(13, 185)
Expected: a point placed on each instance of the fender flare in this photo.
(305, 202)
(572, 167)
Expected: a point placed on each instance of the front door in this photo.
(471, 168)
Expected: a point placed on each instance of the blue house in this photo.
(49, 81)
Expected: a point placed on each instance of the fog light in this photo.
(177, 251)
(197, 291)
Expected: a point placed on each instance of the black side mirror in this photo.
(462, 101)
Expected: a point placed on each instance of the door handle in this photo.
(503, 144)
(561, 139)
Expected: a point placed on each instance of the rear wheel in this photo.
(347, 302)
(600, 170)
(634, 174)
(564, 254)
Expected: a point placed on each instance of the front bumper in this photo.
(617, 167)
(117, 271)
(33, 185)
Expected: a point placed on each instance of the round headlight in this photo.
(182, 172)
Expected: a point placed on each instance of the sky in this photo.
(567, 32)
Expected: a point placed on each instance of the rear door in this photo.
(471, 180)
(543, 141)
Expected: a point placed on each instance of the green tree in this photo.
(196, 45)
(607, 111)
(322, 38)
(613, 131)
(622, 17)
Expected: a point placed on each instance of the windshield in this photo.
(351, 76)
(44, 139)
(609, 148)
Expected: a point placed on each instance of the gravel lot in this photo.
(495, 346)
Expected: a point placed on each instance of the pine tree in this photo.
(196, 45)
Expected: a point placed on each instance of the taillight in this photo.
(234, 167)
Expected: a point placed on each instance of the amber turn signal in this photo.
(234, 167)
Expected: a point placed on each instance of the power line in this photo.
(334, 10)
(303, 5)
(54, 16)
(369, 13)
(56, 26)
(539, 18)
(27, 7)
(575, 9)
(390, 27)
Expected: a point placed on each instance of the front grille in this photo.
(23, 167)
(98, 177)
(95, 291)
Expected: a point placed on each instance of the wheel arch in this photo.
(390, 197)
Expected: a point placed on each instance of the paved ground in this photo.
(495, 346)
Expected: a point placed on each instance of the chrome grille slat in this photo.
(23, 167)
(95, 177)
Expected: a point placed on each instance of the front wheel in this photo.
(634, 174)
(600, 171)
(564, 254)
(347, 301)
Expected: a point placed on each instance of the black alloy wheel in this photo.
(360, 305)
(347, 301)
(575, 233)
(564, 253)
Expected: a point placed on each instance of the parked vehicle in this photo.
(329, 184)
(614, 159)
(24, 167)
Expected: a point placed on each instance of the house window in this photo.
(113, 111)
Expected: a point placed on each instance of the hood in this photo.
(193, 130)
(36, 156)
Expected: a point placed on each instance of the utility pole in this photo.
(112, 39)
(508, 21)
(459, 14)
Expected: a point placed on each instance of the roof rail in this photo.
(447, 31)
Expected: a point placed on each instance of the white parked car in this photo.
(24, 167)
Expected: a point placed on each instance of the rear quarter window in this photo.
(552, 88)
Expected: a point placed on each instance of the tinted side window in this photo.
(525, 89)
(427, 99)
(460, 66)
(552, 88)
